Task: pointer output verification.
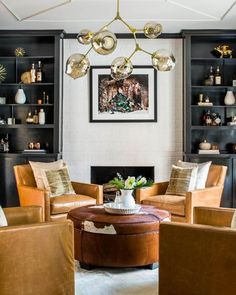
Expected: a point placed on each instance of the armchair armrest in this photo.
(156, 189)
(45, 259)
(213, 216)
(24, 215)
(93, 190)
(33, 196)
(209, 196)
(199, 259)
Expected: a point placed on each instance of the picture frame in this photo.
(133, 99)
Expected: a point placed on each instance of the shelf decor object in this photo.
(229, 98)
(20, 97)
(3, 73)
(19, 51)
(104, 42)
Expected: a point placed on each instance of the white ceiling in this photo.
(73, 15)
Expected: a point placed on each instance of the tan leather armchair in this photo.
(198, 258)
(36, 257)
(181, 207)
(54, 208)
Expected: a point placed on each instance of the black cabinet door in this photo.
(8, 190)
(227, 197)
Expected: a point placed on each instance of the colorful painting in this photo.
(131, 99)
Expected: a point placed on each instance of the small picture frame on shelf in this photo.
(133, 99)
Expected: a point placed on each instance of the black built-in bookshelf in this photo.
(44, 46)
(198, 59)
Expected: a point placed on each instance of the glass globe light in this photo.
(104, 42)
(163, 60)
(121, 68)
(152, 30)
(85, 37)
(77, 65)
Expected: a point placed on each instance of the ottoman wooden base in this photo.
(116, 241)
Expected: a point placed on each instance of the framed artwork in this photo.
(133, 99)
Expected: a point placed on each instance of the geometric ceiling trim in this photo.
(192, 9)
(220, 17)
(230, 8)
(15, 8)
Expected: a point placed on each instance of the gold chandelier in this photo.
(104, 42)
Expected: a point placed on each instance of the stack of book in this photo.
(208, 152)
(42, 151)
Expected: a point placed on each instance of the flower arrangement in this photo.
(131, 182)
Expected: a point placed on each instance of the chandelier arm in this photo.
(145, 51)
(132, 54)
(88, 51)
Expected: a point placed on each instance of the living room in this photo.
(160, 94)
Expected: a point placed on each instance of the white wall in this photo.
(123, 144)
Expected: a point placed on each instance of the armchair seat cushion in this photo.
(64, 203)
(172, 203)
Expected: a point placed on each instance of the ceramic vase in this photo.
(229, 98)
(20, 97)
(126, 198)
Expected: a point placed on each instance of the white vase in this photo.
(126, 198)
(229, 98)
(20, 96)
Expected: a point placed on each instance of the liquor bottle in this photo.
(218, 80)
(44, 97)
(33, 74)
(35, 117)
(41, 117)
(6, 144)
(207, 118)
(211, 75)
(29, 119)
(39, 73)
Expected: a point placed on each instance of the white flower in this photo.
(143, 180)
(129, 183)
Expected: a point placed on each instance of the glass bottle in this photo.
(6, 144)
(39, 72)
(29, 119)
(44, 97)
(33, 74)
(218, 78)
(35, 117)
(211, 75)
(41, 117)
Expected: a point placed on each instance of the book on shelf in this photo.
(208, 152)
(42, 151)
(231, 123)
(205, 104)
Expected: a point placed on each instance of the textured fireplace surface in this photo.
(103, 174)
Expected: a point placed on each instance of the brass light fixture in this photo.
(104, 42)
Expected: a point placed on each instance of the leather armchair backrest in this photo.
(216, 175)
(24, 175)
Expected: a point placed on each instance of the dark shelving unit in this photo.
(198, 57)
(44, 46)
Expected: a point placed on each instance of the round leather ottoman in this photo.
(108, 240)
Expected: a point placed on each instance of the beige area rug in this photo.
(116, 281)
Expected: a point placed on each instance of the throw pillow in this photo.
(57, 182)
(233, 222)
(3, 220)
(37, 168)
(182, 180)
(202, 173)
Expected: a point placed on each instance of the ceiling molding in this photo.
(11, 10)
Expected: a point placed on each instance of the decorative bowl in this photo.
(112, 208)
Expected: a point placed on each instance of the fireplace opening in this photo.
(103, 174)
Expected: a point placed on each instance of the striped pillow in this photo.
(182, 180)
(57, 182)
